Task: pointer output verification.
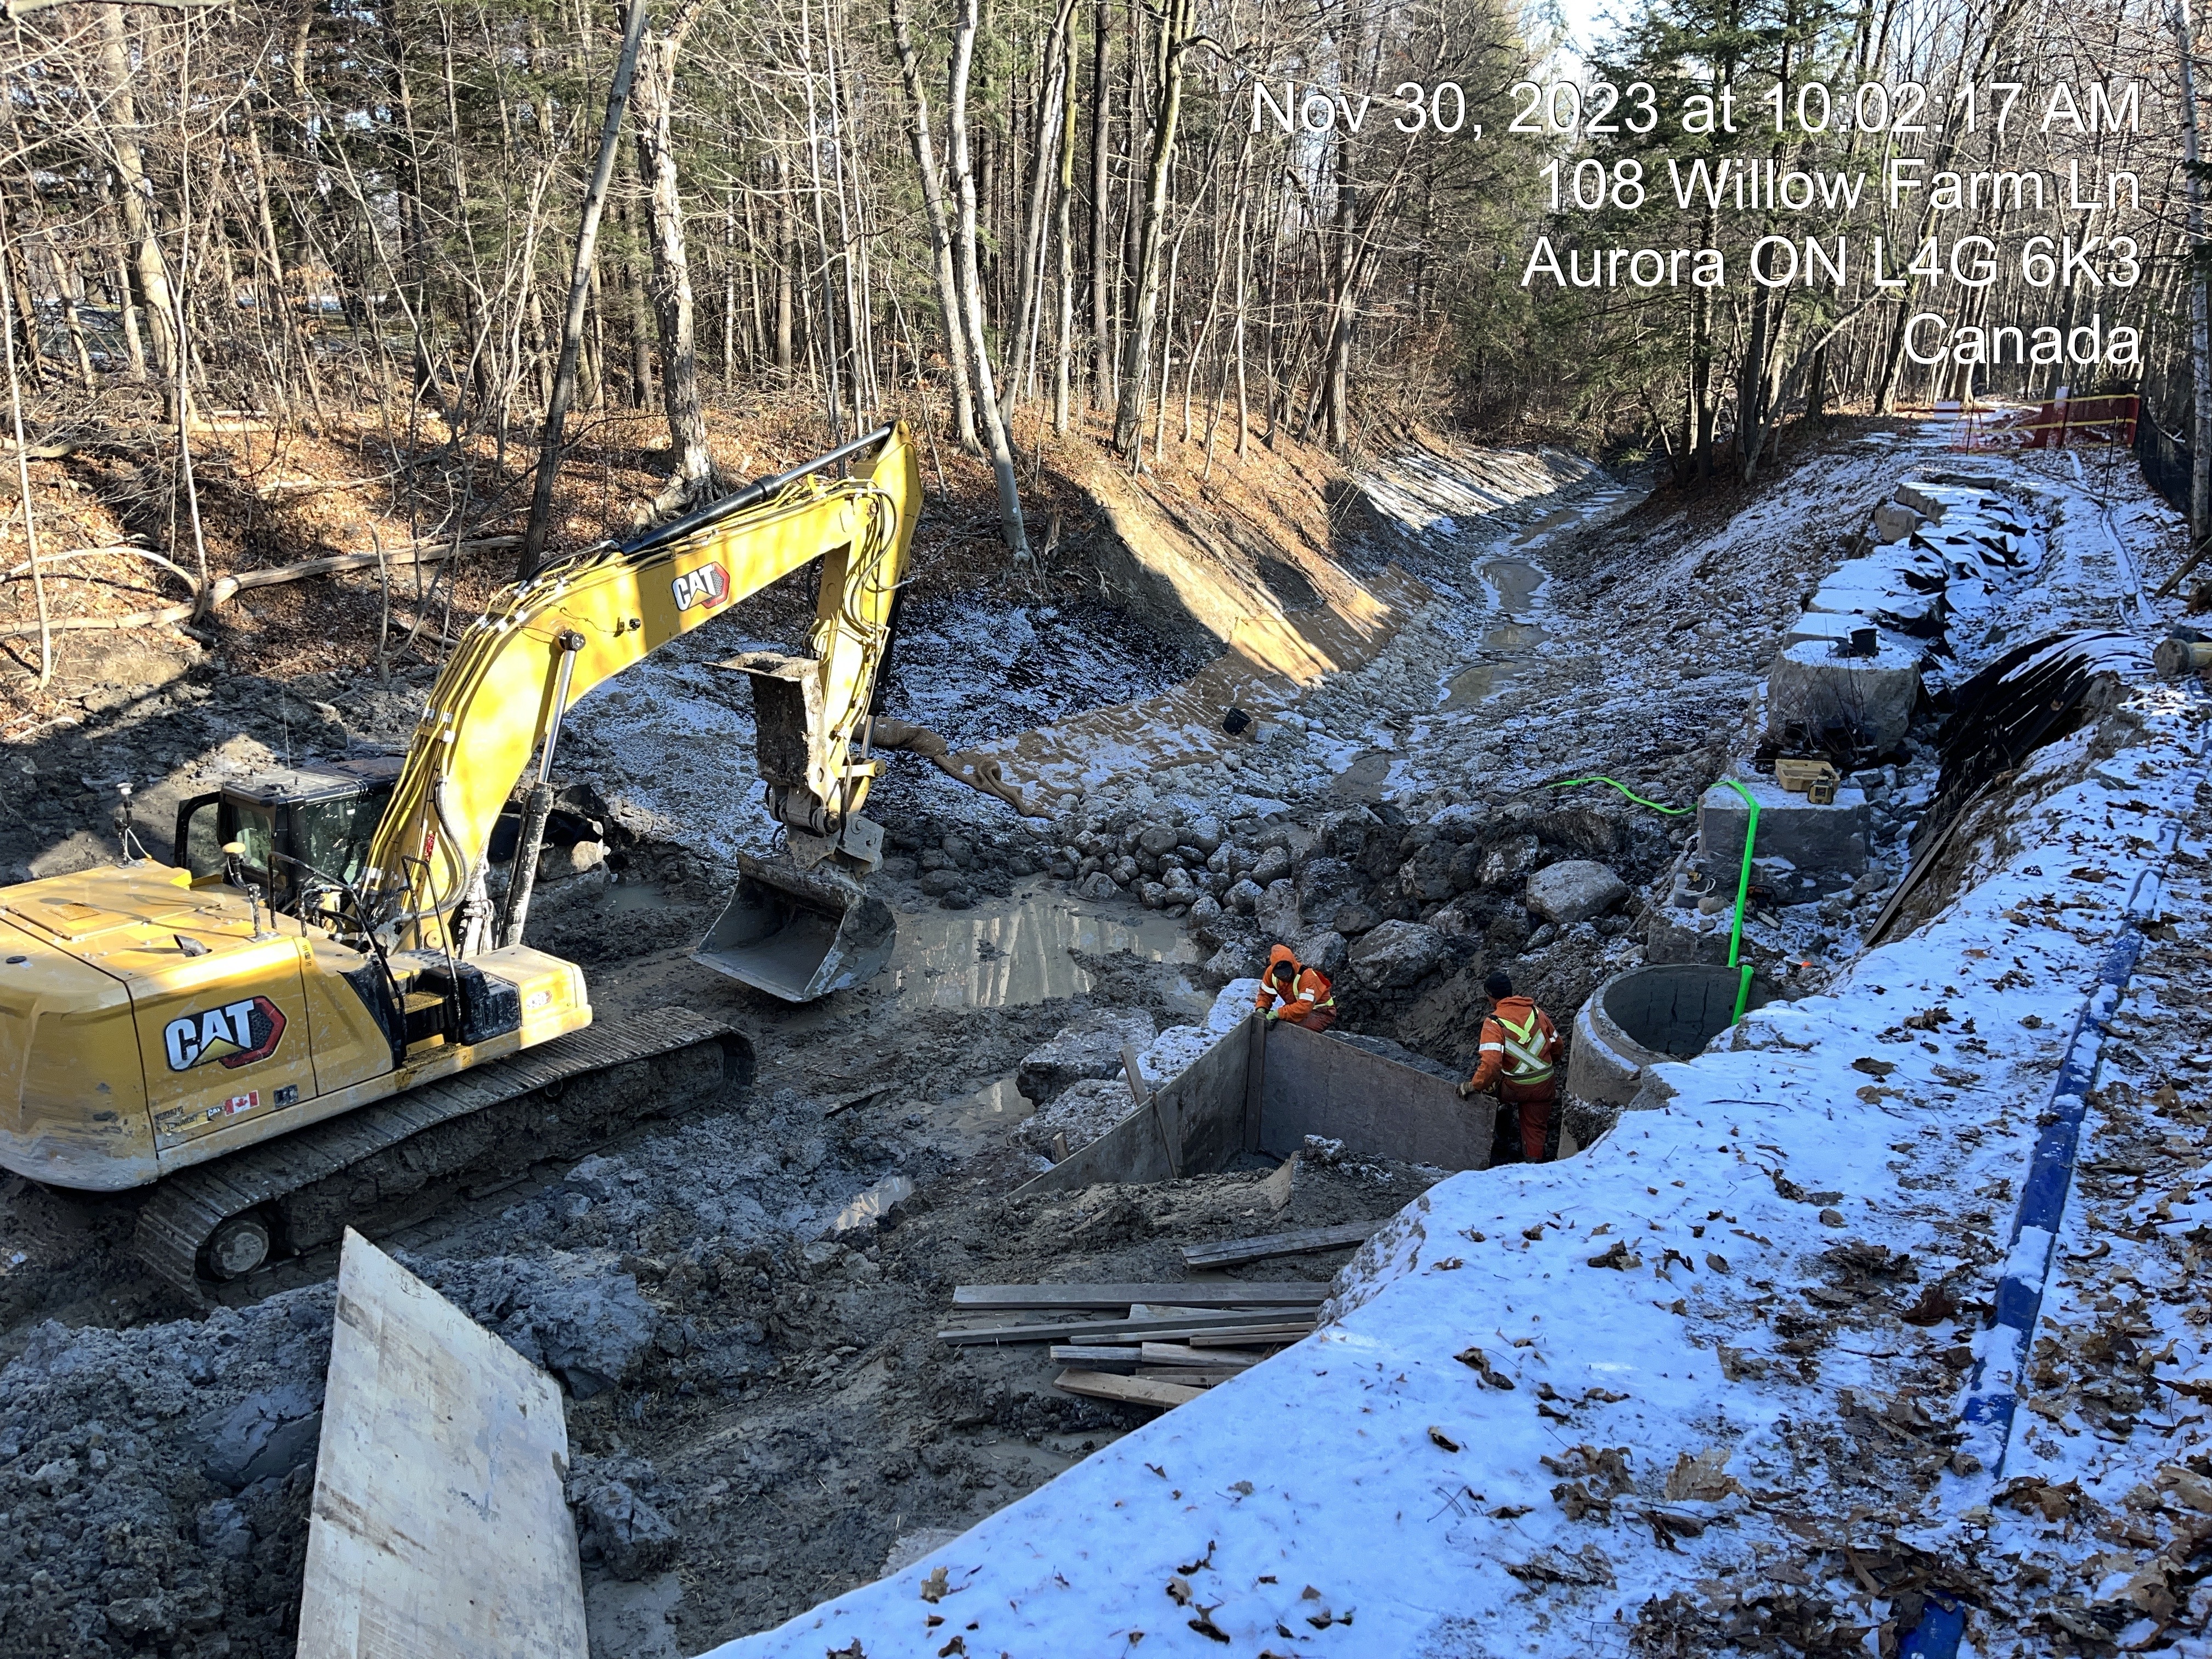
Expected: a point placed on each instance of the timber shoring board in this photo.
(1312, 1085)
(438, 1523)
(1237, 1328)
(1124, 1391)
(1267, 1334)
(1186, 1376)
(1182, 1353)
(1093, 1356)
(1007, 1298)
(1230, 1252)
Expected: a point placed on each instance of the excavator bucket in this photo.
(799, 934)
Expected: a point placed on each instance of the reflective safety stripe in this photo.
(1524, 1046)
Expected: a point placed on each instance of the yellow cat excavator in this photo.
(320, 1007)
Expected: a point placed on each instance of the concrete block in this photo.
(1832, 629)
(1925, 499)
(1826, 845)
(1811, 689)
(1894, 523)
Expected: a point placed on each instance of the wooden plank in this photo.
(1186, 1376)
(1234, 1327)
(1124, 1391)
(1090, 1357)
(1232, 1251)
(1257, 1333)
(438, 1523)
(1292, 1293)
(1180, 1353)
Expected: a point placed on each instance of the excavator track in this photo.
(364, 1157)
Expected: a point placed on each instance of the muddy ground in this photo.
(759, 1416)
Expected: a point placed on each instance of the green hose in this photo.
(1742, 895)
(1743, 876)
(1671, 812)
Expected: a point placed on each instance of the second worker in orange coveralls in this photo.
(1301, 995)
(1519, 1048)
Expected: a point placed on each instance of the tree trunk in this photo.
(1136, 383)
(1102, 345)
(1019, 357)
(936, 218)
(694, 472)
(579, 285)
(2200, 335)
(153, 271)
(972, 292)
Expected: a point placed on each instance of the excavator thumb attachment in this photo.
(799, 934)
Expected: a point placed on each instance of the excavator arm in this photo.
(504, 693)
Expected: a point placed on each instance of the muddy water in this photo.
(1005, 953)
(1514, 584)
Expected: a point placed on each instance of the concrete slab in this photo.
(439, 1524)
(1826, 846)
(1813, 690)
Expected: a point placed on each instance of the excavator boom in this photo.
(519, 668)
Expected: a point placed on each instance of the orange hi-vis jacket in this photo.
(1309, 988)
(1519, 1045)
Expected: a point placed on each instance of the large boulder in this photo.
(1508, 860)
(1427, 875)
(1082, 1113)
(1277, 912)
(624, 1531)
(1322, 948)
(271, 1432)
(1090, 1047)
(1396, 955)
(1575, 890)
(1239, 957)
(1244, 898)
(1274, 864)
(1324, 882)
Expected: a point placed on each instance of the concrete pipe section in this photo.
(1670, 1011)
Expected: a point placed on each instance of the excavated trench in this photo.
(763, 1394)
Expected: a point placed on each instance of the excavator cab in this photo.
(320, 817)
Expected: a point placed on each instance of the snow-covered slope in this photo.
(1697, 1390)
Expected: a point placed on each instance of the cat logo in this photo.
(237, 1034)
(702, 589)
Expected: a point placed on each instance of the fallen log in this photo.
(225, 588)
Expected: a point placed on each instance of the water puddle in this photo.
(624, 895)
(866, 1208)
(1006, 955)
(966, 1124)
(1514, 584)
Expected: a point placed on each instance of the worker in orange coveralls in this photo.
(1519, 1048)
(1301, 995)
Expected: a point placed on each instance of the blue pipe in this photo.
(1992, 1393)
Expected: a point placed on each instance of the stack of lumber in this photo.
(1156, 1345)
